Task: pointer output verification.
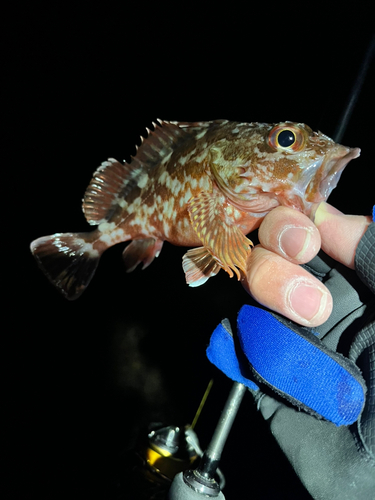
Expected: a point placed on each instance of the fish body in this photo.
(202, 184)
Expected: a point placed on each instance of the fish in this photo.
(204, 185)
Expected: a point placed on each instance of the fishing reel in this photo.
(168, 462)
(159, 455)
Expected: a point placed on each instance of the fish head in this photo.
(279, 164)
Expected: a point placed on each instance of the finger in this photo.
(291, 234)
(340, 233)
(287, 288)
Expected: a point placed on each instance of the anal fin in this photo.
(141, 251)
(199, 265)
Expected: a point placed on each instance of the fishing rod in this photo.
(356, 90)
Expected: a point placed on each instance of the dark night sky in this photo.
(82, 85)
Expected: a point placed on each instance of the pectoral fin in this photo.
(219, 233)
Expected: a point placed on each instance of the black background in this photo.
(82, 81)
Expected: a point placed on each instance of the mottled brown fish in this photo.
(203, 184)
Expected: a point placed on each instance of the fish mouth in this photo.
(329, 174)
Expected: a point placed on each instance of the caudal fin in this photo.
(68, 260)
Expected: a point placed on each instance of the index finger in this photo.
(340, 233)
(290, 234)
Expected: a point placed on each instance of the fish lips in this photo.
(321, 186)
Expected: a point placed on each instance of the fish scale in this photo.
(204, 185)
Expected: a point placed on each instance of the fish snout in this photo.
(334, 169)
(329, 174)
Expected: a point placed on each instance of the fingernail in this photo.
(307, 301)
(323, 211)
(294, 241)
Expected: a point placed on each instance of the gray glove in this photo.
(337, 462)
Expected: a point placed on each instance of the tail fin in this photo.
(68, 260)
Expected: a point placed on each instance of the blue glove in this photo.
(291, 361)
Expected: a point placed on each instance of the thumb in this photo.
(340, 233)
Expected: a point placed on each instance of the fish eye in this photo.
(286, 137)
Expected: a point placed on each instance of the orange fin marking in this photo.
(141, 251)
(218, 233)
(199, 265)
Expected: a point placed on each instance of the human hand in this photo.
(326, 371)
(289, 238)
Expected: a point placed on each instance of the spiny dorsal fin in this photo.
(112, 181)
